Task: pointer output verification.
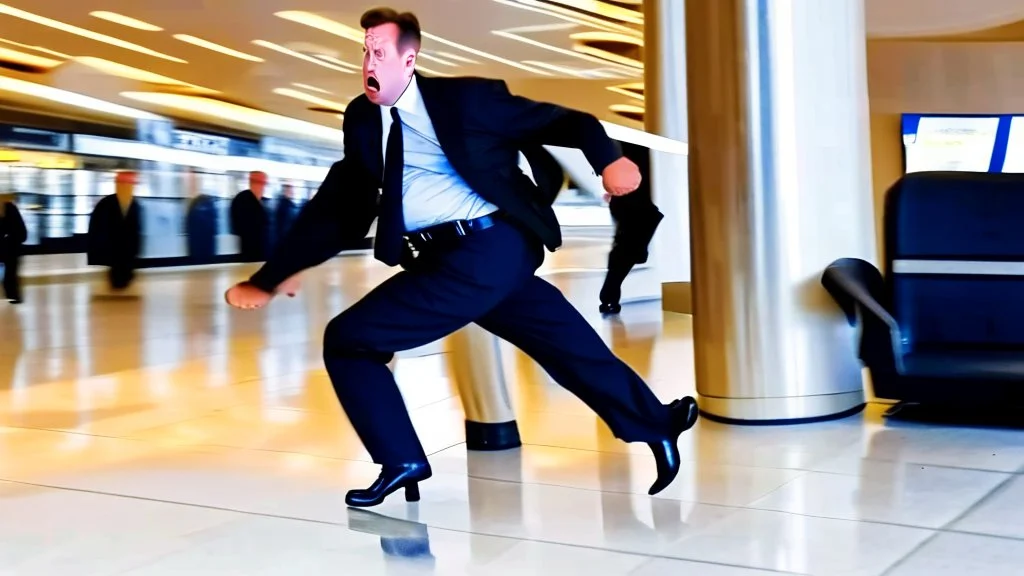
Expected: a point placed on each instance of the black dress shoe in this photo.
(682, 417)
(607, 308)
(391, 479)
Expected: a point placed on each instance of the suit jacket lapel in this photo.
(443, 109)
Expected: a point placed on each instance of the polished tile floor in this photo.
(162, 433)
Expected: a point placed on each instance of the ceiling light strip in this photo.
(37, 49)
(456, 57)
(17, 57)
(217, 48)
(627, 92)
(433, 58)
(322, 23)
(598, 9)
(610, 57)
(486, 55)
(58, 25)
(338, 61)
(563, 51)
(311, 99)
(433, 72)
(310, 88)
(565, 70)
(131, 73)
(71, 99)
(240, 114)
(341, 30)
(125, 21)
(567, 15)
(300, 56)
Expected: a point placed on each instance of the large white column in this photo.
(780, 184)
(665, 115)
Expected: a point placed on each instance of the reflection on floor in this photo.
(165, 434)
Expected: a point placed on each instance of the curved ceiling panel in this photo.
(923, 18)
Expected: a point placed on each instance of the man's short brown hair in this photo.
(408, 25)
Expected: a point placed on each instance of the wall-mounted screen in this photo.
(954, 143)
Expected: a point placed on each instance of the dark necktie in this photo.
(389, 243)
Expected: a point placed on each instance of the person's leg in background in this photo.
(634, 229)
(12, 280)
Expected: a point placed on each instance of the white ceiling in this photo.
(555, 71)
(238, 23)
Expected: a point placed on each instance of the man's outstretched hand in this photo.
(245, 296)
(248, 297)
(621, 177)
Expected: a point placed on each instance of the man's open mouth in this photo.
(372, 84)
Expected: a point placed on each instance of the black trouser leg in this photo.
(542, 323)
(12, 279)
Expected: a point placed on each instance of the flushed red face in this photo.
(386, 69)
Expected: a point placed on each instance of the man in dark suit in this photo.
(250, 221)
(443, 154)
(115, 232)
(13, 235)
(636, 220)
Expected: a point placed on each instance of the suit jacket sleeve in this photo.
(532, 122)
(340, 213)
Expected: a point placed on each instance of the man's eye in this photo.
(379, 53)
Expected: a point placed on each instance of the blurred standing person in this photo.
(115, 234)
(13, 236)
(636, 219)
(287, 210)
(200, 222)
(250, 221)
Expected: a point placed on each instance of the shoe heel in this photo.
(412, 492)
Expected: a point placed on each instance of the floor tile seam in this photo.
(778, 468)
(984, 499)
(272, 516)
(730, 507)
(934, 532)
(189, 447)
(803, 471)
(896, 564)
(947, 528)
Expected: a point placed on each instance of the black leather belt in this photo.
(450, 232)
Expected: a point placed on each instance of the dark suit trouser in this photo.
(488, 279)
(12, 279)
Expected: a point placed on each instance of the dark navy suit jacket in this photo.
(481, 127)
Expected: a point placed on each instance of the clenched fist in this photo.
(621, 177)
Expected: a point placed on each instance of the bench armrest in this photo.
(859, 290)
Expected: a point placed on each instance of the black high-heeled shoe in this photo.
(609, 308)
(391, 480)
(682, 416)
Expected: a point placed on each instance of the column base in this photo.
(781, 411)
(491, 437)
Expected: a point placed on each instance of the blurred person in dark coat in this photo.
(115, 232)
(250, 221)
(286, 211)
(13, 235)
(200, 222)
(636, 219)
